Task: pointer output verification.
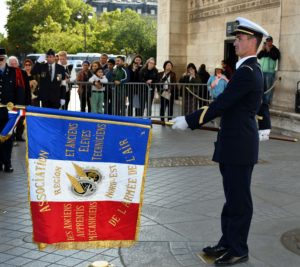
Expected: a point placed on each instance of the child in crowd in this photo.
(97, 99)
(217, 83)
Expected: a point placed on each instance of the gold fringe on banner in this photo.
(99, 243)
(138, 225)
(88, 244)
(4, 138)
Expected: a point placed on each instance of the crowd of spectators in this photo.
(111, 86)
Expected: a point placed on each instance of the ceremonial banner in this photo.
(13, 118)
(86, 177)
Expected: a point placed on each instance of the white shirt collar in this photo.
(241, 61)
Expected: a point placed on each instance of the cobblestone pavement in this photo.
(181, 212)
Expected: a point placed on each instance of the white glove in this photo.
(41, 59)
(64, 83)
(179, 123)
(264, 134)
(62, 102)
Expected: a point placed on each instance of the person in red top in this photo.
(22, 82)
(9, 92)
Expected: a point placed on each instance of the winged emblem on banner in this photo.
(84, 183)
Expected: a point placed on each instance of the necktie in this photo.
(50, 71)
(1, 72)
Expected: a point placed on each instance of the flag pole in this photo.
(10, 106)
(215, 129)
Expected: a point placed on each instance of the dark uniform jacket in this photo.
(9, 92)
(237, 141)
(50, 90)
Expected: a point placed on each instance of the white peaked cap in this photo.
(249, 27)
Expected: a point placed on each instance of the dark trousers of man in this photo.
(20, 128)
(165, 103)
(120, 100)
(5, 152)
(146, 92)
(85, 99)
(238, 209)
(68, 96)
(50, 104)
(108, 99)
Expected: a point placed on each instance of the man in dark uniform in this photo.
(51, 75)
(9, 92)
(236, 149)
(63, 60)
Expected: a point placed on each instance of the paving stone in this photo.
(18, 261)
(36, 263)
(35, 254)
(181, 212)
(51, 258)
(84, 255)
(6, 265)
(68, 261)
(4, 257)
(17, 251)
(5, 247)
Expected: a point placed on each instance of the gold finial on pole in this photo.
(10, 106)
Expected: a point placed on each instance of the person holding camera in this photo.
(190, 76)
(168, 91)
(268, 57)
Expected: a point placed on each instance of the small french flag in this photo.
(13, 118)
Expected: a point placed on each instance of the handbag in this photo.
(166, 94)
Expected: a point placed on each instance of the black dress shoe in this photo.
(228, 259)
(8, 169)
(1, 167)
(20, 139)
(215, 251)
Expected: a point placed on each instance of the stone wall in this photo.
(172, 33)
(195, 31)
(289, 67)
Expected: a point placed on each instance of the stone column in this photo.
(172, 33)
(289, 64)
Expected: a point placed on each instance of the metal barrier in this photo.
(159, 100)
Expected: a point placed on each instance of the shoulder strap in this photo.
(249, 67)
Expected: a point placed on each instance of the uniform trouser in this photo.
(5, 152)
(238, 209)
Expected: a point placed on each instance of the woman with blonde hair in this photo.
(149, 76)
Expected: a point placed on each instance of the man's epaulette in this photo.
(247, 66)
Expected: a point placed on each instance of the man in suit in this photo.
(52, 89)
(9, 92)
(236, 149)
(62, 55)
